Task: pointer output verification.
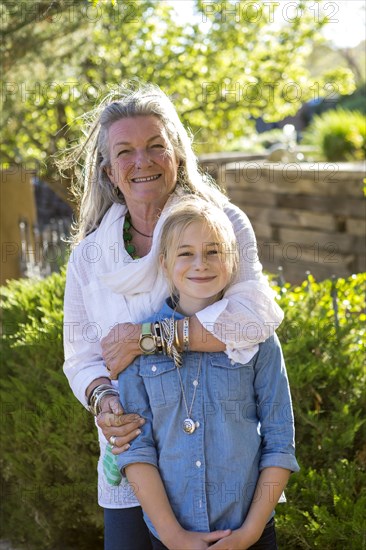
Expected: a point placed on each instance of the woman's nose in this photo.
(142, 159)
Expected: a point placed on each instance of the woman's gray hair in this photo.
(92, 187)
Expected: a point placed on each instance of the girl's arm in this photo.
(150, 492)
(278, 448)
(272, 481)
(140, 463)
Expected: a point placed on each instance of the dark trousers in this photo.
(125, 529)
(266, 542)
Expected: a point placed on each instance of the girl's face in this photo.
(199, 271)
(143, 162)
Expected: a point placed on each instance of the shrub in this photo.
(339, 135)
(323, 338)
(49, 444)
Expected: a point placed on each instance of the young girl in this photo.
(217, 447)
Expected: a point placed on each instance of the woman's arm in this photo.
(84, 366)
(119, 352)
(247, 314)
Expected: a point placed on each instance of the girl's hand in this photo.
(240, 539)
(191, 540)
(120, 347)
(113, 422)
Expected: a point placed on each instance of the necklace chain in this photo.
(137, 231)
(189, 410)
(189, 425)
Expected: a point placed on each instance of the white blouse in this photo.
(104, 286)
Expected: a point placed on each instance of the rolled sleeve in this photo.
(275, 408)
(279, 460)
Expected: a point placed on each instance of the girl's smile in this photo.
(199, 272)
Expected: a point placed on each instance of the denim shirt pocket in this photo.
(161, 380)
(231, 381)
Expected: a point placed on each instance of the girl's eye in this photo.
(184, 254)
(212, 252)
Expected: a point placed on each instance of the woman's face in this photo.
(143, 162)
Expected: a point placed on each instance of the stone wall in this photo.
(306, 216)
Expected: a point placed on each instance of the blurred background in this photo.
(282, 82)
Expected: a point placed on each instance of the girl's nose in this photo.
(200, 261)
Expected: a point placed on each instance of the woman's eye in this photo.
(157, 146)
(123, 152)
(212, 252)
(184, 254)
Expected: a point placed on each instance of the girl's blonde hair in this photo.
(191, 210)
(92, 187)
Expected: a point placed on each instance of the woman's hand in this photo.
(120, 347)
(113, 422)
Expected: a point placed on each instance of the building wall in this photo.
(306, 216)
(18, 216)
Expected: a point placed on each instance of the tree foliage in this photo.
(231, 62)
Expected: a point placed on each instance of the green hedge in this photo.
(323, 338)
(49, 446)
(48, 441)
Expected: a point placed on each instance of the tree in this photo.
(231, 63)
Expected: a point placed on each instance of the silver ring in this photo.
(112, 440)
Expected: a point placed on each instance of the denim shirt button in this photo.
(198, 464)
(153, 368)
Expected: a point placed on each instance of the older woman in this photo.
(137, 161)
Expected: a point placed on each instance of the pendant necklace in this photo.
(189, 425)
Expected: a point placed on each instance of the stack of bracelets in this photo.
(96, 396)
(166, 339)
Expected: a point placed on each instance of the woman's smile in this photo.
(143, 164)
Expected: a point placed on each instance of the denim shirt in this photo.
(245, 424)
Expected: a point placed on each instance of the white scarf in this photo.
(129, 276)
